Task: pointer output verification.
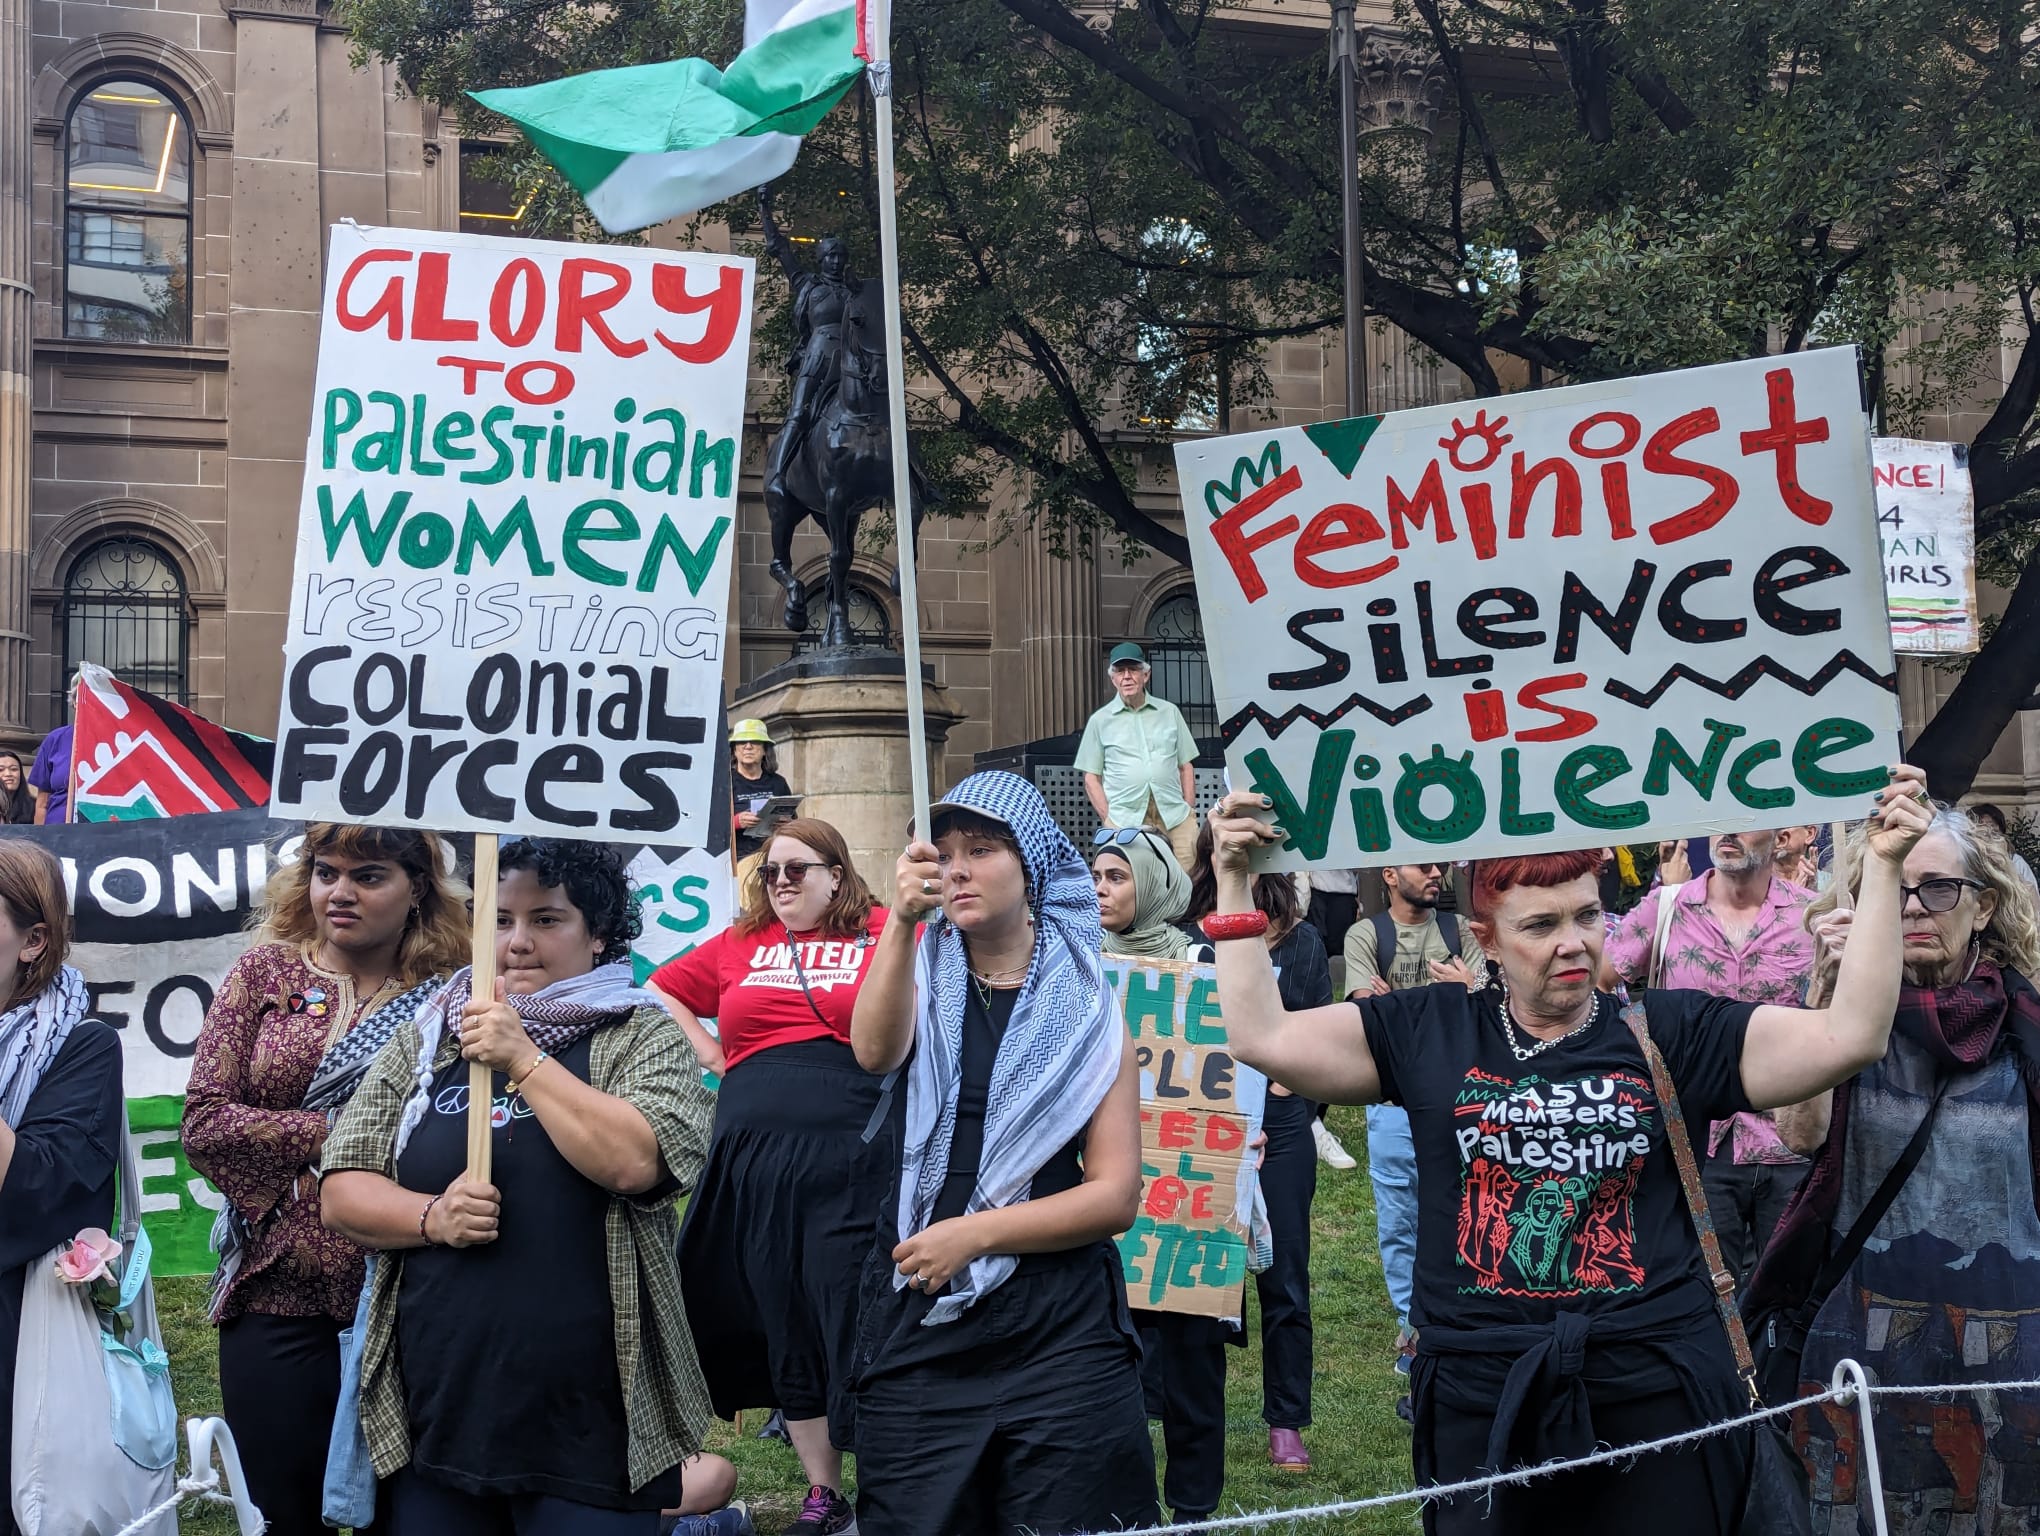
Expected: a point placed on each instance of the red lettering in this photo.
(1164, 1195)
(1487, 713)
(1615, 497)
(521, 282)
(389, 305)
(1224, 1133)
(1565, 517)
(1428, 502)
(1571, 722)
(518, 382)
(1238, 546)
(1627, 425)
(1783, 437)
(1659, 459)
(470, 369)
(724, 304)
(1340, 526)
(579, 307)
(1200, 1203)
(1477, 501)
(429, 321)
(1178, 1128)
(1884, 474)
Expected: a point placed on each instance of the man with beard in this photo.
(1412, 944)
(1738, 930)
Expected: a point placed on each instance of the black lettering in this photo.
(1336, 663)
(640, 775)
(1575, 602)
(381, 755)
(1767, 591)
(1217, 1079)
(302, 705)
(297, 765)
(1434, 664)
(682, 730)
(570, 763)
(1480, 627)
(427, 758)
(155, 1005)
(418, 719)
(618, 717)
(97, 1009)
(1681, 623)
(471, 784)
(500, 673)
(393, 667)
(542, 673)
(1166, 1086)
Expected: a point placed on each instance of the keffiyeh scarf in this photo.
(1059, 1055)
(31, 1034)
(1161, 894)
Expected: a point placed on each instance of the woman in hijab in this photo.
(1142, 891)
(1944, 1289)
(998, 1367)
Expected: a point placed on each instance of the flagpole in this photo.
(879, 42)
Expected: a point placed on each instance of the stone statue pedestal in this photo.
(839, 727)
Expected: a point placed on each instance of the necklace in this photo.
(1530, 1052)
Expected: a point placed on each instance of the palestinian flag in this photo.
(134, 756)
(654, 142)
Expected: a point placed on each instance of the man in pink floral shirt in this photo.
(1736, 931)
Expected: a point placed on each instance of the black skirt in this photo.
(777, 1232)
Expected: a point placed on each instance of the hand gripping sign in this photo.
(1551, 620)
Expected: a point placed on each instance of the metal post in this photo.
(1346, 66)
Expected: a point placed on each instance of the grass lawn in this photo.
(1358, 1446)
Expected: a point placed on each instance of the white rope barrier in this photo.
(1850, 1385)
(203, 1482)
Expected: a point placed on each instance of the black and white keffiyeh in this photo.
(345, 1063)
(31, 1034)
(1059, 1055)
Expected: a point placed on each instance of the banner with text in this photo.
(159, 915)
(1926, 526)
(1648, 606)
(514, 543)
(1187, 1250)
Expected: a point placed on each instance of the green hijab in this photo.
(1161, 892)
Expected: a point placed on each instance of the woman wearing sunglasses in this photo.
(777, 1231)
(1944, 1287)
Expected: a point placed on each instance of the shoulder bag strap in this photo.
(1696, 1202)
(1448, 929)
(1384, 943)
(799, 970)
(1668, 909)
(1844, 1254)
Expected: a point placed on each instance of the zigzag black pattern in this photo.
(1275, 725)
(1735, 687)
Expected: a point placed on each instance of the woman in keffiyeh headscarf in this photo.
(998, 1367)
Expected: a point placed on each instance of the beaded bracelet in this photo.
(516, 1084)
(422, 1215)
(1235, 925)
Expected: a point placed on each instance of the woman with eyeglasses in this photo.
(777, 1232)
(1944, 1289)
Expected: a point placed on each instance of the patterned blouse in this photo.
(245, 1130)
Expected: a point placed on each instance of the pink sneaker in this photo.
(1286, 1452)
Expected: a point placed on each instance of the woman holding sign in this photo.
(998, 1380)
(776, 1235)
(353, 936)
(1563, 1299)
(527, 1367)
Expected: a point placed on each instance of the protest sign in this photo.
(1551, 620)
(1926, 528)
(1187, 1250)
(514, 542)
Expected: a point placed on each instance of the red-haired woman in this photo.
(1561, 1296)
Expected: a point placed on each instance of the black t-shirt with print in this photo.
(1546, 1185)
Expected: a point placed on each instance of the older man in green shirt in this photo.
(1136, 756)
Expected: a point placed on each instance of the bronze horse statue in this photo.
(841, 466)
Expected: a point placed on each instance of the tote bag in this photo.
(95, 1429)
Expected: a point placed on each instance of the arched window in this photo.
(127, 216)
(125, 608)
(1175, 646)
(869, 622)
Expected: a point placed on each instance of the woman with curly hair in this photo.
(527, 1365)
(351, 938)
(1943, 1288)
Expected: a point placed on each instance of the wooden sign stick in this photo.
(481, 1079)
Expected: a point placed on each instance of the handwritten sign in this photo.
(1926, 528)
(1199, 1108)
(514, 541)
(1551, 620)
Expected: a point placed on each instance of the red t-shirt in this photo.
(747, 984)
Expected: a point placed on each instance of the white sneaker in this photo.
(1329, 1151)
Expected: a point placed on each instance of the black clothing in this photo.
(742, 792)
(1288, 1184)
(66, 1163)
(523, 1325)
(776, 1234)
(1183, 1382)
(1332, 913)
(17, 807)
(412, 1505)
(1747, 1200)
(1023, 1414)
(279, 1387)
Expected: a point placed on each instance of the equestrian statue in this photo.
(832, 459)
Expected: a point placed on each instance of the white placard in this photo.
(1926, 527)
(1648, 607)
(515, 538)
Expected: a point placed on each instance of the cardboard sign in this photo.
(514, 543)
(1926, 529)
(1199, 1108)
(1552, 620)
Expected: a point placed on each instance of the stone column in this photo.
(1064, 666)
(17, 361)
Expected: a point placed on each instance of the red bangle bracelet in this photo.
(1235, 925)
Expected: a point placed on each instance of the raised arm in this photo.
(1320, 1053)
(1792, 1054)
(882, 1023)
(777, 246)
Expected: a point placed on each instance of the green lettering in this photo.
(1752, 757)
(533, 439)
(338, 402)
(581, 449)
(476, 534)
(1202, 1023)
(1151, 1005)
(426, 541)
(499, 471)
(383, 452)
(580, 531)
(1587, 769)
(722, 453)
(374, 538)
(1309, 830)
(1666, 755)
(453, 427)
(694, 564)
(1823, 739)
(420, 465)
(673, 448)
(1513, 822)
(1456, 777)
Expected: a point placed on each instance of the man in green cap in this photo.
(1136, 756)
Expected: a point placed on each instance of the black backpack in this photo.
(1384, 938)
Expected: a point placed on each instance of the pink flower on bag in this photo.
(87, 1258)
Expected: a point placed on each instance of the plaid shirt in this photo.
(645, 1061)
